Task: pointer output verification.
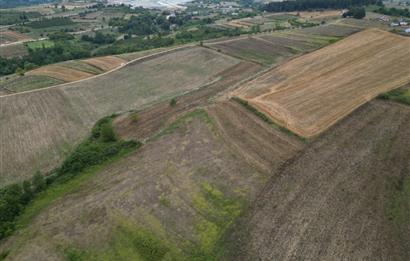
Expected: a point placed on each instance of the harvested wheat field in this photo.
(36, 126)
(105, 63)
(346, 197)
(60, 73)
(181, 192)
(309, 94)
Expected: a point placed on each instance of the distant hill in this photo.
(15, 3)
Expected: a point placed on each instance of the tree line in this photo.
(301, 5)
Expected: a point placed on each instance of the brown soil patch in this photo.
(61, 73)
(105, 63)
(334, 201)
(310, 93)
(12, 36)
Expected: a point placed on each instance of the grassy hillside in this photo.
(172, 200)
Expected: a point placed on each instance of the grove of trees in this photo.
(300, 5)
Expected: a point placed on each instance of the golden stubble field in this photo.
(309, 94)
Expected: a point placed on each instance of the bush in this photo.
(38, 183)
(173, 102)
(135, 117)
(107, 133)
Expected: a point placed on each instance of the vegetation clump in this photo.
(98, 148)
(400, 95)
(173, 102)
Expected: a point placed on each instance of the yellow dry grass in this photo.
(105, 63)
(61, 73)
(311, 93)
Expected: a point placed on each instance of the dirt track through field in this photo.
(310, 93)
(335, 201)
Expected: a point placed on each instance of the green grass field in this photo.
(40, 44)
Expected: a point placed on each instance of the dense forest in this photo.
(14, 3)
(300, 5)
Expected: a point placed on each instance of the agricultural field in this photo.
(62, 115)
(64, 72)
(271, 48)
(105, 63)
(7, 37)
(13, 50)
(345, 197)
(335, 30)
(179, 199)
(309, 99)
(61, 73)
(29, 82)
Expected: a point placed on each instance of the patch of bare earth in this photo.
(105, 63)
(332, 202)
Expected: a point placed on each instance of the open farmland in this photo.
(31, 122)
(310, 93)
(337, 30)
(105, 63)
(29, 82)
(8, 36)
(183, 190)
(61, 73)
(13, 50)
(268, 49)
(64, 72)
(346, 197)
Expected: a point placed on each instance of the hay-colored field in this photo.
(60, 73)
(37, 126)
(309, 94)
(105, 63)
(13, 50)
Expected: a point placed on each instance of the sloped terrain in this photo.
(345, 197)
(310, 93)
(179, 194)
(31, 122)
